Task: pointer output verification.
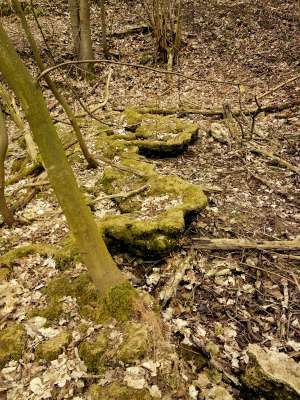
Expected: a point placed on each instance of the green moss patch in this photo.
(115, 391)
(135, 344)
(4, 274)
(118, 304)
(63, 256)
(50, 349)
(92, 352)
(12, 341)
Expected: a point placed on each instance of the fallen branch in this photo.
(242, 244)
(294, 78)
(257, 150)
(123, 195)
(277, 160)
(131, 30)
(139, 66)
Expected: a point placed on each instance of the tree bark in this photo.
(74, 17)
(94, 253)
(86, 49)
(7, 215)
(103, 29)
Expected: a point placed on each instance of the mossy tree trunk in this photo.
(7, 215)
(94, 253)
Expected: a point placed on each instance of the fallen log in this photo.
(216, 112)
(243, 244)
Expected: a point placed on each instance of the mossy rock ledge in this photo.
(150, 221)
(157, 135)
(272, 374)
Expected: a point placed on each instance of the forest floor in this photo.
(229, 298)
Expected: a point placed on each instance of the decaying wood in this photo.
(138, 66)
(170, 288)
(243, 244)
(294, 78)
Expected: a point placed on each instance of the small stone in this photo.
(155, 392)
(50, 349)
(220, 132)
(151, 366)
(272, 374)
(36, 386)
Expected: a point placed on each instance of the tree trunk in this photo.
(7, 215)
(86, 49)
(12, 109)
(103, 29)
(92, 163)
(94, 253)
(74, 17)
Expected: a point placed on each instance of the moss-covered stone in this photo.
(272, 374)
(92, 352)
(116, 391)
(135, 344)
(158, 231)
(158, 135)
(50, 349)
(12, 341)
